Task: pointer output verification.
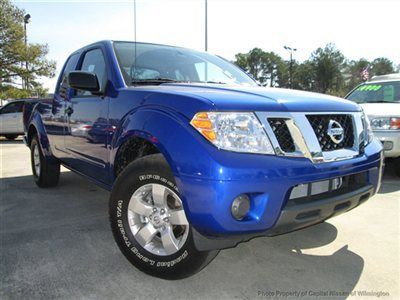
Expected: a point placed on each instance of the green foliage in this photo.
(264, 66)
(326, 71)
(328, 64)
(382, 66)
(14, 55)
(353, 72)
(304, 76)
(11, 92)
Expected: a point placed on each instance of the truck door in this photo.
(56, 123)
(87, 116)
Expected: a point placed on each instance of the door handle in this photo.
(69, 110)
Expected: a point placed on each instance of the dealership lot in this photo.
(56, 243)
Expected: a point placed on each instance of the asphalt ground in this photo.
(57, 243)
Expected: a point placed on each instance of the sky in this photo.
(359, 28)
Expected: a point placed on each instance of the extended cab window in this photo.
(94, 62)
(69, 66)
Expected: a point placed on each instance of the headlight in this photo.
(386, 123)
(234, 131)
(369, 135)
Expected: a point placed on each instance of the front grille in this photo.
(282, 134)
(320, 125)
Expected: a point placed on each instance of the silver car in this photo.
(11, 123)
(380, 99)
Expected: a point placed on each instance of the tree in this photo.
(304, 77)
(382, 66)
(14, 54)
(353, 72)
(328, 64)
(265, 67)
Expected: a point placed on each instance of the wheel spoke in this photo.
(145, 234)
(138, 206)
(169, 241)
(178, 217)
(159, 193)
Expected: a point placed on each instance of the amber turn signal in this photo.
(204, 125)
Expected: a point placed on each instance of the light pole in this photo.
(291, 50)
(206, 27)
(27, 17)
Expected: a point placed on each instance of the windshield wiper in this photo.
(214, 82)
(158, 80)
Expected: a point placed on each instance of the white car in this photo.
(11, 123)
(380, 99)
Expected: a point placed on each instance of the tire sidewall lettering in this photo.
(121, 214)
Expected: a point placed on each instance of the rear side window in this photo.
(94, 62)
(69, 66)
(13, 107)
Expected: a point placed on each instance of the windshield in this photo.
(159, 64)
(381, 92)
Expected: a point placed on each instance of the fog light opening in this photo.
(240, 207)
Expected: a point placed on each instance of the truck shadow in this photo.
(66, 249)
(271, 267)
(391, 182)
(13, 142)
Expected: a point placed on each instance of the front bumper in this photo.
(268, 180)
(390, 141)
(293, 218)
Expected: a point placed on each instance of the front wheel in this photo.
(149, 222)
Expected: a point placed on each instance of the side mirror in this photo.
(85, 81)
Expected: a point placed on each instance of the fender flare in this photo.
(37, 123)
(171, 134)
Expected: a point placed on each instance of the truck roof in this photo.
(387, 77)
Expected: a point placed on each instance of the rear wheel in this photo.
(149, 222)
(45, 172)
(11, 137)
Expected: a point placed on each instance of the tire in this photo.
(11, 137)
(45, 173)
(151, 176)
(396, 163)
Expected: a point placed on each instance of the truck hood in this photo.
(200, 97)
(381, 109)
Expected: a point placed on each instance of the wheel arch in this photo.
(132, 147)
(36, 127)
(186, 152)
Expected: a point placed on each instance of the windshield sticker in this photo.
(388, 93)
(370, 87)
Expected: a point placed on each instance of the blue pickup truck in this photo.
(196, 155)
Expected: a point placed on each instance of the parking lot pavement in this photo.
(56, 243)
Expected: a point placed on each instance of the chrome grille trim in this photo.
(305, 140)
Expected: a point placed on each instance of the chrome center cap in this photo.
(158, 218)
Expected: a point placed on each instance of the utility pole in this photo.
(206, 26)
(27, 17)
(291, 50)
